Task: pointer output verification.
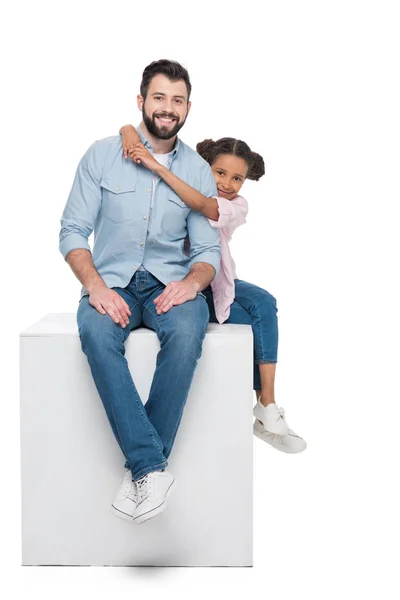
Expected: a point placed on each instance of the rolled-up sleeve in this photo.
(232, 213)
(83, 204)
(204, 240)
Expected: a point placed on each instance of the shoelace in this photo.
(132, 494)
(129, 487)
(143, 487)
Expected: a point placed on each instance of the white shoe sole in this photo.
(157, 509)
(120, 514)
(270, 438)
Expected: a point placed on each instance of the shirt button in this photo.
(141, 243)
(148, 190)
(145, 218)
(117, 188)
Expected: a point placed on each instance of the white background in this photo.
(314, 87)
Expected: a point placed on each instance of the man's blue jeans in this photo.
(256, 307)
(145, 433)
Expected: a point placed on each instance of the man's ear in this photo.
(189, 107)
(140, 102)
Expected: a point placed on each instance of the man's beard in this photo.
(163, 133)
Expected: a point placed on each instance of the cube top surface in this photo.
(65, 324)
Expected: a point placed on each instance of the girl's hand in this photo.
(140, 155)
(130, 137)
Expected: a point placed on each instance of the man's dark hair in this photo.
(170, 68)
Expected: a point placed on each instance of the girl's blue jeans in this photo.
(256, 307)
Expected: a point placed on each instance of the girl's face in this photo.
(229, 172)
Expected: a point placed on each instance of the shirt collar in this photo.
(147, 144)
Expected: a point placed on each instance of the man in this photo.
(139, 275)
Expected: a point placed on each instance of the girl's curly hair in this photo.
(209, 150)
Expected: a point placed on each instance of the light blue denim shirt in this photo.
(111, 196)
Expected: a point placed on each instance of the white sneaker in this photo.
(125, 502)
(152, 492)
(272, 417)
(290, 443)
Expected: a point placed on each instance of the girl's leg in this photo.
(256, 307)
(261, 306)
(267, 376)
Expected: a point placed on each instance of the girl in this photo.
(231, 300)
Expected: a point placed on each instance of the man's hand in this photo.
(140, 155)
(176, 292)
(106, 300)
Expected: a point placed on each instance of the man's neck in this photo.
(159, 146)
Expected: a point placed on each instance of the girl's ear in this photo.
(140, 102)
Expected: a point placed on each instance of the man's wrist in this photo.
(192, 279)
(200, 275)
(95, 285)
(196, 286)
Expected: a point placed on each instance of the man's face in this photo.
(165, 108)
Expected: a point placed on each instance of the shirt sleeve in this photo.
(84, 202)
(204, 240)
(232, 213)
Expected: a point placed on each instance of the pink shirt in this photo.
(232, 214)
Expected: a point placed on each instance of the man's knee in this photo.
(188, 326)
(97, 332)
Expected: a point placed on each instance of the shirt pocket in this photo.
(174, 216)
(120, 203)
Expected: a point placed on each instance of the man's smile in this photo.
(166, 121)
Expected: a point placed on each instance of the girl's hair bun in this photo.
(258, 168)
(206, 150)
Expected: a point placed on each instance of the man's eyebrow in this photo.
(162, 94)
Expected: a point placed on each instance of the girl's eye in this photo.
(237, 178)
(220, 172)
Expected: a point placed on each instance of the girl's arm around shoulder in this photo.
(190, 196)
(130, 137)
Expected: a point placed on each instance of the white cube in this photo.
(72, 465)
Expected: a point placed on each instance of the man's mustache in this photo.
(161, 116)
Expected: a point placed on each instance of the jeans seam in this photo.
(144, 415)
(146, 470)
(159, 330)
(134, 306)
(257, 315)
(265, 361)
(139, 403)
(176, 430)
